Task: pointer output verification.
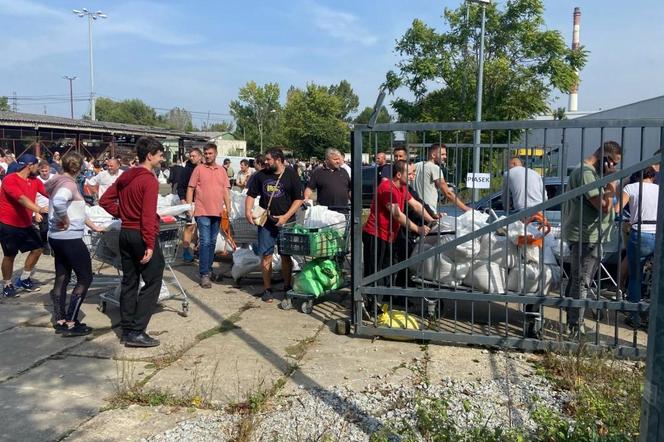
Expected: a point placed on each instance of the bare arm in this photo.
(398, 215)
(450, 195)
(420, 210)
(248, 207)
(25, 202)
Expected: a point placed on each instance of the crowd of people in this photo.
(43, 209)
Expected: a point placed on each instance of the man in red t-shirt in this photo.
(17, 234)
(386, 216)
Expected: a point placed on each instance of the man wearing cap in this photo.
(17, 204)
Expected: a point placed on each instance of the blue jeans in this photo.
(636, 257)
(208, 229)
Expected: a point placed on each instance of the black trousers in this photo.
(70, 254)
(43, 229)
(136, 307)
(378, 254)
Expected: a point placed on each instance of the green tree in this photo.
(224, 126)
(349, 100)
(311, 121)
(177, 119)
(524, 63)
(373, 142)
(4, 104)
(132, 111)
(256, 113)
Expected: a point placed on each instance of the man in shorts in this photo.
(17, 234)
(282, 183)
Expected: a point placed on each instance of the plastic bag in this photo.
(238, 200)
(396, 319)
(173, 210)
(317, 277)
(305, 282)
(320, 216)
(489, 278)
(222, 245)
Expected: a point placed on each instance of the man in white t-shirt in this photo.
(523, 186)
(643, 199)
(429, 179)
(42, 201)
(106, 178)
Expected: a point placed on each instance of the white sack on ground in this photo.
(499, 250)
(461, 269)
(461, 252)
(244, 262)
(436, 268)
(488, 278)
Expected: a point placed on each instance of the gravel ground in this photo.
(343, 414)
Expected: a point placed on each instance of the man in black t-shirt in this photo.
(282, 183)
(331, 182)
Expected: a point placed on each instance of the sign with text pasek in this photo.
(478, 180)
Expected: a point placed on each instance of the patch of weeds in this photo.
(606, 396)
(297, 351)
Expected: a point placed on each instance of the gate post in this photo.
(356, 209)
(652, 421)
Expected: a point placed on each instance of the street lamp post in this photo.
(478, 110)
(71, 94)
(91, 16)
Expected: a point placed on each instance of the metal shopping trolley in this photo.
(105, 248)
(331, 242)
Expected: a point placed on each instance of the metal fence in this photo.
(479, 278)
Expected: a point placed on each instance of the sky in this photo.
(198, 54)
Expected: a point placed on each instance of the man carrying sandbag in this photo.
(280, 191)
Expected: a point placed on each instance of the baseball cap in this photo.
(22, 162)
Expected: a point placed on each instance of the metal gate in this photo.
(398, 301)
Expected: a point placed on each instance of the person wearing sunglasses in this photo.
(587, 222)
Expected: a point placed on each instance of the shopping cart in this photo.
(332, 242)
(242, 232)
(105, 248)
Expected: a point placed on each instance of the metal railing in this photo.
(452, 286)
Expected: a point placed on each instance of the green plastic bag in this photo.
(306, 283)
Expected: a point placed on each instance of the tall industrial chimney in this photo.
(574, 96)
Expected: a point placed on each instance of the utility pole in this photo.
(71, 94)
(91, 16)
(15, 100)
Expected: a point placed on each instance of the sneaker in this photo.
(187, 256)
(205, 282)
(79, 329)
(61, 328)
(9, 291)
(266, 296)
(26, 284)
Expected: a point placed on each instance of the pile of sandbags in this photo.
(491, 263)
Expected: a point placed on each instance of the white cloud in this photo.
(341, 25)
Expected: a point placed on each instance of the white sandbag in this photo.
(461, 269)
(164, 201)
(238, 200)
(489, 278)
(435, 268)
(222, 245)
(515, 279)
(499, 250)
(244, 262)
(174, 210)
(320, 216)
(276, 262)
(463, 251)
(97, 214)
(549, 246)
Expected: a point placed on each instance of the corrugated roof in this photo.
(52, 122)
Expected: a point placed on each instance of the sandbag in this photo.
(489, 278)
(396, 319)
(461, 269)
(244, 262)
(499, 250)
(515, 279)
(436, 268)
(462, 252)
